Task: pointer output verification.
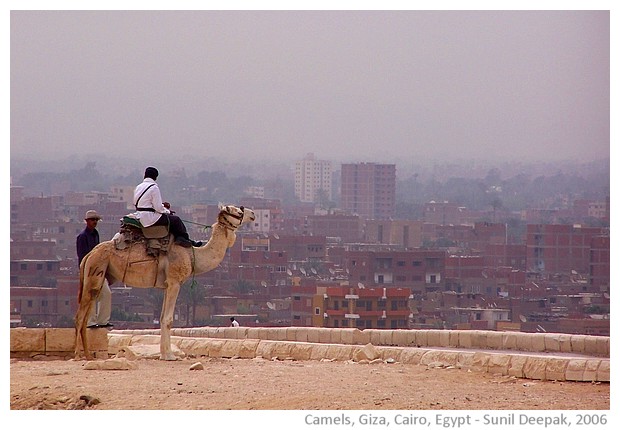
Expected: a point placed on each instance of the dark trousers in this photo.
(175, 225)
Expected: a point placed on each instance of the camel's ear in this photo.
(220, 206)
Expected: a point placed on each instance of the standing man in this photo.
(99, 315)
(152, 210)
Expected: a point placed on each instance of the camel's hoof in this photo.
(168, 357)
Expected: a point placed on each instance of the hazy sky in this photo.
(346, 85)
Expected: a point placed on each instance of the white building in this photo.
(313, 180)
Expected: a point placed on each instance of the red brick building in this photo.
(560, 248)
(419, 270)
(368, 190)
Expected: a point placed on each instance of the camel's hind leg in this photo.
(91, 284)
(165, 321)
(81, 329)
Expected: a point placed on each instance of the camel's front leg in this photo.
(165, 320)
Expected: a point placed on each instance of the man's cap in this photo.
(92, 214)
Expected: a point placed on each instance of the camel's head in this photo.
(233, 216)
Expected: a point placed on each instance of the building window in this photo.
(29, 303)
(317, 311)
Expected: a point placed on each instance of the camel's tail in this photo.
(79, 297)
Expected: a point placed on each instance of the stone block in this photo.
(552, 342)
(534, 367)
(325, 334)
(148, 339)
(347, 335)
(480, 362)
(444, 338)
(400, 337)
(361, 337)
(538, 341)
(555, 369)
(432, 338)
(421, 338)
(186, 344)
(374, 336)
(367, 352)
(282, 350)
(509, 340)
(453, 340)
(253, 333)
(464, 359)
(314, 334)
(412, 355)
(524, 341)
(517, 365)
(263, 333)
(479, 339)
(465, 338)
(280, 334)
(578, 343)
(28, 340)
(575, 369)
(390, 352)
(590, 345)
(241, 332)
(438, 357)
(215, 347)
(385, 337)
(499, 364)
(602, 346)
(591, 369)
(117, 341)
(247, 348)
(301, 335)
(134, 352)
(291, 333)
(603, 373)
(63, 339)
(340, 352)
(319, 351)
(301, 351)
(335, 336)
(495, 340)
(265, 349)
(230, 348)
(564, 341)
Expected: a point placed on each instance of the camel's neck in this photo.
(209, 256)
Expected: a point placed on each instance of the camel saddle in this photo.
(157, 237)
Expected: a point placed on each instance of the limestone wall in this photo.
(595, 346)
(521, 365)
(32, 342)
(525, 355)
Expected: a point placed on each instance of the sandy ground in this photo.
(259, 384)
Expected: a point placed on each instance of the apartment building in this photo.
(313, 180)
(399, 233)
(368, 190)
(350, 307)
(420, 270)
(560, 248)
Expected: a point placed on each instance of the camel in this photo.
(135, 268)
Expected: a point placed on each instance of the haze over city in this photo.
(351, 86)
